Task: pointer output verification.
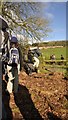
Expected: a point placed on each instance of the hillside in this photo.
(51, 43)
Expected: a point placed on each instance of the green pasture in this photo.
(46, 56)
(57, 51)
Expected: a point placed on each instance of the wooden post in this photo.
(0, 85)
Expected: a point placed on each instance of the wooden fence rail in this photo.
(59, 62)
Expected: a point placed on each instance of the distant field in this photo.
(57, 51)
(46, 56)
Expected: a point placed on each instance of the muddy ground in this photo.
(40, 97)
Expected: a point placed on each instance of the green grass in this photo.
(57, 51)
(46, 56)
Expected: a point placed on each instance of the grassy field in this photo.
(57, 51)
(46, 56)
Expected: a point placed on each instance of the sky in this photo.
(56, 11)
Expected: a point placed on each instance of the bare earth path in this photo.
(40, 97)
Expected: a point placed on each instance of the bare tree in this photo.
(25, 18)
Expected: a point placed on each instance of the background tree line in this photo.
(51, 43)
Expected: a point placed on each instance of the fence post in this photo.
(0, 85)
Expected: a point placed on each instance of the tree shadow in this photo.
(25, 104)
(51, 116)
(6, 110)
